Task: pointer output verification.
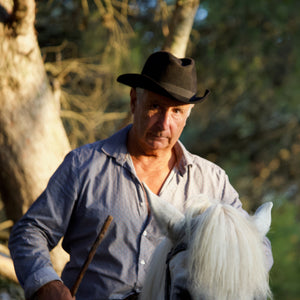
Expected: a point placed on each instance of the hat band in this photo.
(177, 90)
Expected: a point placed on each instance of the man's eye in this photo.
(177, 110)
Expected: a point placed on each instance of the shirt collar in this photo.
(184, 158)
(115, 146)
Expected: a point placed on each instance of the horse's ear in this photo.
(262, 218)
(170, 220)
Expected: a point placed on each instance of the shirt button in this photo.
(142, 262)
(145, 233)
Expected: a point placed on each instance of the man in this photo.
(105, 178)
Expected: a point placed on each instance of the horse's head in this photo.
(220, 242)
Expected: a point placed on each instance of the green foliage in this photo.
(247, 55)
(285, 239)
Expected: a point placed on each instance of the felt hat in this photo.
(167, 75)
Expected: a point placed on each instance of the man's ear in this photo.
(132, 100)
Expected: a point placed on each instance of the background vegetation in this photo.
(247, 54)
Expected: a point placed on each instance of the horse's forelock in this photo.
(226, 248)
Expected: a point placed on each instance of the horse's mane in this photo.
(226, 256)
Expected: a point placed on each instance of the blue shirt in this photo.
(95, 181)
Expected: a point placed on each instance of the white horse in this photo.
(213, 252)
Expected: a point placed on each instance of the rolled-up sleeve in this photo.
(40, 229)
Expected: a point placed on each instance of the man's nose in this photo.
(164, 119)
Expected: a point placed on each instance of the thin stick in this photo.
(91, 254)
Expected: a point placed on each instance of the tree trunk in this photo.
(180, 27)
(32, 138)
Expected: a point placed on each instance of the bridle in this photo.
(174, 251)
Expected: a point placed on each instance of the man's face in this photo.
(158, 120)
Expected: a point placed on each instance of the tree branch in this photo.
(181, 26)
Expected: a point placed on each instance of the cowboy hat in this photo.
(167, 75)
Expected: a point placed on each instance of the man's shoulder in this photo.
(113, 146)
(87, 149)
(198, 162)
(207, 167)
(83, 156)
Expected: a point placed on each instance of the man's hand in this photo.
(53, 290)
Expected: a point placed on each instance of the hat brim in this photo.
(145, 82)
